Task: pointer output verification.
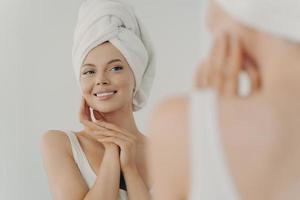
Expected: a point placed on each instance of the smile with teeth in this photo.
(105, 95)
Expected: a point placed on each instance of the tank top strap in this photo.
(210, 178)
(80, 159)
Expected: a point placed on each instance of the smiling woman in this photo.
(105, 73)
(114, 69)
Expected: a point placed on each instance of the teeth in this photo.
(104, 94)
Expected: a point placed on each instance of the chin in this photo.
(107, 108)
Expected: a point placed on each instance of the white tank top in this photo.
(210, 176)
(83, 164)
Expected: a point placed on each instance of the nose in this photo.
(102, 80)
(102, 83)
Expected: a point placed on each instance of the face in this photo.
(106, 80)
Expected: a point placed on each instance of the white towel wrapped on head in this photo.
(277, 17)
(100, 21)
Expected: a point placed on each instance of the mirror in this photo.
(38, 84)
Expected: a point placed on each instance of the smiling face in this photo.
(106, 80)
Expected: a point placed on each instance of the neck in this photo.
(122, 118)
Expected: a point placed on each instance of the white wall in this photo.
(38, 89)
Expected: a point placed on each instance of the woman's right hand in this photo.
(221, 69)
(91, 127)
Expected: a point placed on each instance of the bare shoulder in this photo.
(57, 139)
(171, 113)
(64, 177)
(169, 148)
(169, 118)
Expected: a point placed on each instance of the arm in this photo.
(108, 178)
(136, 187)
(65, 179)
(169, 150)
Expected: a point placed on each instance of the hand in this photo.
(110, 136)
(222, 68)
(90, 127)
(126, 141)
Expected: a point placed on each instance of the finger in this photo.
(113, 127)
(100, 134)
(96, 133)
(98, 115)
(89, 125)
(211, 64)
(98, 125)
(253, 73)
(121, 143)
(97, 136)
(109, 133)
(84, 113)
(218, 61)
(233, 67)
(101, 128)
(85, 116)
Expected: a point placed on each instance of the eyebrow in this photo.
(92, 65)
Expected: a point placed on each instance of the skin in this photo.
(111, 143)
(261, 146)
(223, 77)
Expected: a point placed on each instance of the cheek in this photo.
(126, 82)
(85, 85)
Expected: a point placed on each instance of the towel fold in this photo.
(114, 21)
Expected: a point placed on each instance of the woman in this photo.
(113, 64)
(236, 148)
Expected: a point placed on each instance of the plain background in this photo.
(38, 88)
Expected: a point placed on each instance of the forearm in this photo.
(108, 178)
(136, 187)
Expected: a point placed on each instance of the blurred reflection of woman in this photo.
(212, 147)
